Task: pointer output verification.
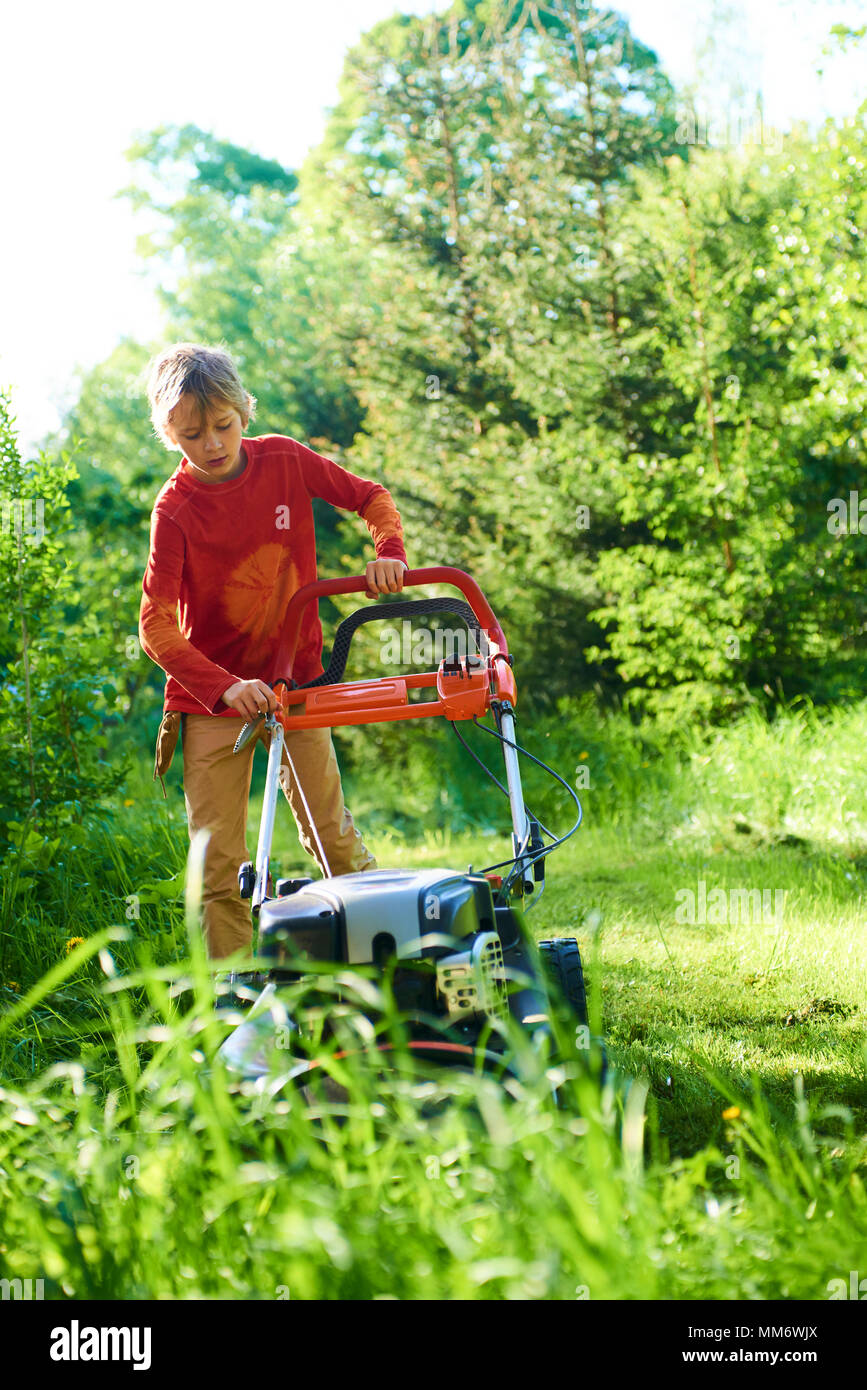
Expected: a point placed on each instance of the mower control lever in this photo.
(536, 844)
(248, 731)
(247, 879)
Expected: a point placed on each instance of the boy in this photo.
(232, 539)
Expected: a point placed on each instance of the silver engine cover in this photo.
(406, 904)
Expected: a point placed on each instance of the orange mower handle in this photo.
(465, 688)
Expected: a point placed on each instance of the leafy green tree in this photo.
(121, 465)
(55, 688)
(737, 587)
(222, 217)
(478, 156)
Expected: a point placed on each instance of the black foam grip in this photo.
(405, 608)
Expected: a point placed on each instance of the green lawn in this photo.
(724, 1159)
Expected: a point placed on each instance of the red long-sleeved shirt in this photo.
(230, 556)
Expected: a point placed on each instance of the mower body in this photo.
(458, 965)
(450, 950)
(453, 946)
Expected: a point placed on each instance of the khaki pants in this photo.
(217, 791)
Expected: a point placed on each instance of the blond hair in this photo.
(206, 374)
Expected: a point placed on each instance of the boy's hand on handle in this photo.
(384, 577)
(250, 698)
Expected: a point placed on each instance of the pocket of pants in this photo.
(167, 739)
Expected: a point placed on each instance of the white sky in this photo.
(80, 80)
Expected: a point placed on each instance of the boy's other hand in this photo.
(249, 698)
(384, 577)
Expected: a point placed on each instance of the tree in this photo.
(756, 263)
(53, 699)
(478, 157)
(223, 218)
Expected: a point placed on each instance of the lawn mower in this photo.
(462, 967)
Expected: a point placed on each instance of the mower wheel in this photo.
(562, 961)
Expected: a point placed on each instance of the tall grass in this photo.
(160, 1178)
(724, 1158)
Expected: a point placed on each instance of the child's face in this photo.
(212, 445)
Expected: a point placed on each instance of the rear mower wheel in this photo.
(561, 961)
(561, 958)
